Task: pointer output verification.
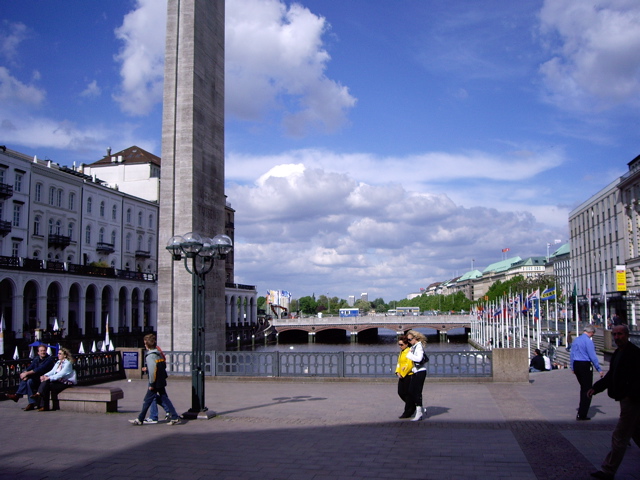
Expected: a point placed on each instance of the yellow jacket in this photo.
(404, 364)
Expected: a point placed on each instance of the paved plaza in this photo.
(324, 430)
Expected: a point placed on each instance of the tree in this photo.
(308, 305)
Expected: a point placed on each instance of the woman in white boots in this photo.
(417, 353)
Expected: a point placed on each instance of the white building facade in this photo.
(73, 251)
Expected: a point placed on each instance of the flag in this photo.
(104, 347)
(32, 354)
(16, 355)
(548, 294)
(93, 347)
(55, 325)
(504, 250)
(106, 331)
(111, 349)
(81, 350)
(49, 351)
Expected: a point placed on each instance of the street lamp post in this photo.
(202, 252)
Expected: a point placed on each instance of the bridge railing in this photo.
(328, 364)
(372, 320)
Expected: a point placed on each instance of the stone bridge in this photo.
(353, 325)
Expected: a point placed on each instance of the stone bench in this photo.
(94, 399)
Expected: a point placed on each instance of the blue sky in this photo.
(371, 146)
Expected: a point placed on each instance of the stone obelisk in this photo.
(192, 183)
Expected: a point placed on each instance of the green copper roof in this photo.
(502, 265)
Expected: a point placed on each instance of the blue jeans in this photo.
(151, 398)
(28, 387)
(166, 404)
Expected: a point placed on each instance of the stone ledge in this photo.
(91, 399)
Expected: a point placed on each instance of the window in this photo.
(87, 234)
(2, 174)
(102, 209)
(59, 198)
(72, 201)
(150, 220)
(51, 226)
(128, 215)
(101, 236)
(139, 219)
(38, 192)
(36, 225)
(70, 231)
(114, 213)
(139, 242)
(15, 249)
(113, 238)
(149, 244)
(17, 184)
(128, 242)
(52, 195)
(17, 213)
(58, 228)
(89, 204)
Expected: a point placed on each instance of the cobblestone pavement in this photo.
(324, 430)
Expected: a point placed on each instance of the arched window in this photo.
(114, 213)
(102, 209)
(52, 195)
(38, 192)
(70, 231)
(51, 226)
(139, 219)
(58, 228)
(128, 215)
(139, 242)
(128, 242)
(101, 235)
(149, 244)
(150, 220)
(59, 198)
(113, 238)
(36, 254)
(36, 225)
(72, 201)
(87, 234)
(89, 204)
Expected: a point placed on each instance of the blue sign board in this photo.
(130, 360)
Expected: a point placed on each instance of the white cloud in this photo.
(311, 223)
(275, 58)
(92, 90)
(11, 35)
(596, 53)
(274, 62)
(13, 92)
(141, 57)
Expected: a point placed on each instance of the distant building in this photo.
(351, 301)
(364, 297)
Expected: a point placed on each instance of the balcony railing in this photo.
(33, 264)
(6, 190)
(143, 254)
(103, 247)
(59, 241)
(5, 227)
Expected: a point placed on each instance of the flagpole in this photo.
(588, 299)
(604, 294)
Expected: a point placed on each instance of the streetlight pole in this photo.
(201, 252)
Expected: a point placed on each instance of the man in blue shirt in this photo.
(30, 378)
(583, 355)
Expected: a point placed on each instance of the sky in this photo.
(370, 145)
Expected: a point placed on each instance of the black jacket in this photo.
(623, 378)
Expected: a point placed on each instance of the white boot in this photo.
(418, 415)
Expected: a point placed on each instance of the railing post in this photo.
(277, 364)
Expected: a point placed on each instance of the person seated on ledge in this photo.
(537, 362)
(61, 376)
(30, 378)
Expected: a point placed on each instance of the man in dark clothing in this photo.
(623, 384)
(537, 362)
(30, 378)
